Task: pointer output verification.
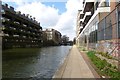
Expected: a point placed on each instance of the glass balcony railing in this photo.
(105, 4)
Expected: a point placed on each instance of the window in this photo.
(105, 27)
(118, 25)
(108, 31)
(101, 30)
(119, 30)
(107, 3)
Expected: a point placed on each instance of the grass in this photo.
(105, 55)
(19, 53)
(103, 68)
(82, 48)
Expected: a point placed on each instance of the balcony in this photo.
(86, 17)
(24, 36)
(6, 34)
(1, 33)
(103, 9)
(88, 12)
(81, 15)
(104, 3)
(15, 35)
(4, 19)
(2, 11)
(80, 27)
(88, 6)
(2, 28)
(17, 22)
(102, 6)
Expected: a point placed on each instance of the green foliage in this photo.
(103, 66)
(83, 49)
(105, 55)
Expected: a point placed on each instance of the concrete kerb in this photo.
(62, 67)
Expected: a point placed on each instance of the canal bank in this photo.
(75, 66)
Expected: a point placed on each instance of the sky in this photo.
(57, 14)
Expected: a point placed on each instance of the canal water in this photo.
(42, 63)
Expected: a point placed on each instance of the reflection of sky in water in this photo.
(44, 65)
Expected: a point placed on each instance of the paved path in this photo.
(74, 66)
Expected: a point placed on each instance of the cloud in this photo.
(67, 21)
(35, 0)
(46, 15)
(18, 2)
(49, 17)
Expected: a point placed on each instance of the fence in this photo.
(107, 27)
(109, 33)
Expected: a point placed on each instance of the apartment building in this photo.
(0, 26)
(99, 26)
(78, 28)
(19, 30)
(53, 37)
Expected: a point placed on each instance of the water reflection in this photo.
(41, 64)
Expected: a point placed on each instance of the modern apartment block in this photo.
(78, 27)
(53, 37)
(19, 30)
(98, 26)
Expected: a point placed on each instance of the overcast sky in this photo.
(58, 14)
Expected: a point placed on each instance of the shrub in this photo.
(105, 55)
(104, 68)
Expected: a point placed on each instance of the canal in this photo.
(34, 63)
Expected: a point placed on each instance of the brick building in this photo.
(53, 37)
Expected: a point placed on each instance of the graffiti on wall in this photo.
(112, 48)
